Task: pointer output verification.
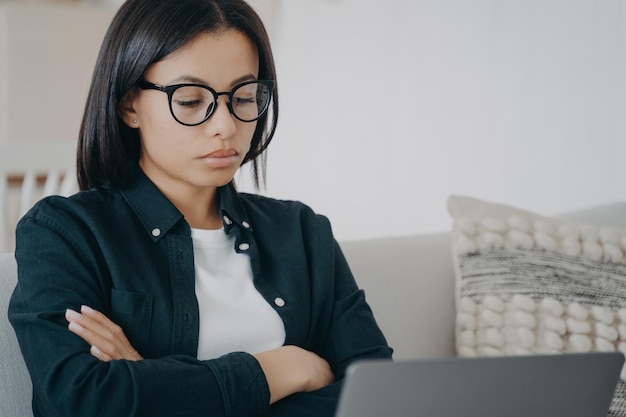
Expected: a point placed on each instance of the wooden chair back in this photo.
(29, 172)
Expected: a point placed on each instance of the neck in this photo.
(198, 204)
(200, 207)
(201, 212)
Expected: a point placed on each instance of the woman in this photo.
(159, 290)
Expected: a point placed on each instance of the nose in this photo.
(221, 123)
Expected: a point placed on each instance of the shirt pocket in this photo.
(133, 313)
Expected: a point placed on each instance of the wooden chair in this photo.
(29, 172)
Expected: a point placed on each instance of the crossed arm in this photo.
(288, 369)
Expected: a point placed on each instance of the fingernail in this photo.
(86, 309)
(72, 314)
(94, 350)
(75, 327)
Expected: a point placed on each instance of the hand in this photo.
(107, 339)
(291, 369)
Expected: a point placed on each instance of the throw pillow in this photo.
(528, 284)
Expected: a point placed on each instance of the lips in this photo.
(222, 158)
(222, 153)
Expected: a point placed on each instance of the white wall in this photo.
(389, 107)
(47, 55)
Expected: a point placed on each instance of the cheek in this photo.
(157, 124)
(160, 138)
(248, 131)
(153, 112)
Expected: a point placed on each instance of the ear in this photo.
(127, 111)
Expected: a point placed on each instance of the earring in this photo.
(134, 120)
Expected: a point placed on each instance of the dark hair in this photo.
(144, 32)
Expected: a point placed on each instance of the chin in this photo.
(216, 181)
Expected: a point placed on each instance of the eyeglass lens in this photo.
(193, 104)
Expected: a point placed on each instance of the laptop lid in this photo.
(568, 385)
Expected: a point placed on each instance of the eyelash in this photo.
(189, 103)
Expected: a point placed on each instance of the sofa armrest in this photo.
(15, 385)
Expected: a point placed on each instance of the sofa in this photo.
(409, 282)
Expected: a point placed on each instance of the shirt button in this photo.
(156, 232)
(279, 302)
(245, 224)
(244, 246)
(227, 220)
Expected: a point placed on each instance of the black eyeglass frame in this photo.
(170, 89)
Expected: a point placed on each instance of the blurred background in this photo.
(388, 107)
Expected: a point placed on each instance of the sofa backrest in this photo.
(409, 284)
(408, 281)
(15, 385)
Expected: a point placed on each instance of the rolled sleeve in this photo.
(242, 382)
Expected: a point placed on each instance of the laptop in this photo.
(563, 385)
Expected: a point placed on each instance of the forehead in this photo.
(218, 59)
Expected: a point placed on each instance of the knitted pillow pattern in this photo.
(533, 285)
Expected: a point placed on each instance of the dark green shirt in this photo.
(128, 253)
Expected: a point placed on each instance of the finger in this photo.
(108, 351)
(103, 325)
(121, 341)
(99, 354)
(86, 328)
(88, 335)
(97, 316)
(88, 323)
(95, 334)
(97, 330)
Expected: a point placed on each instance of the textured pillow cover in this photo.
(527, 284)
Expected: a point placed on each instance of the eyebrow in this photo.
(196, 80)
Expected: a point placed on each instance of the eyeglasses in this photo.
(193, 104)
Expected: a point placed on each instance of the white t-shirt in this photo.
(234, 317)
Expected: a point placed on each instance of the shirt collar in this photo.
(232, 209)
(158, 215)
